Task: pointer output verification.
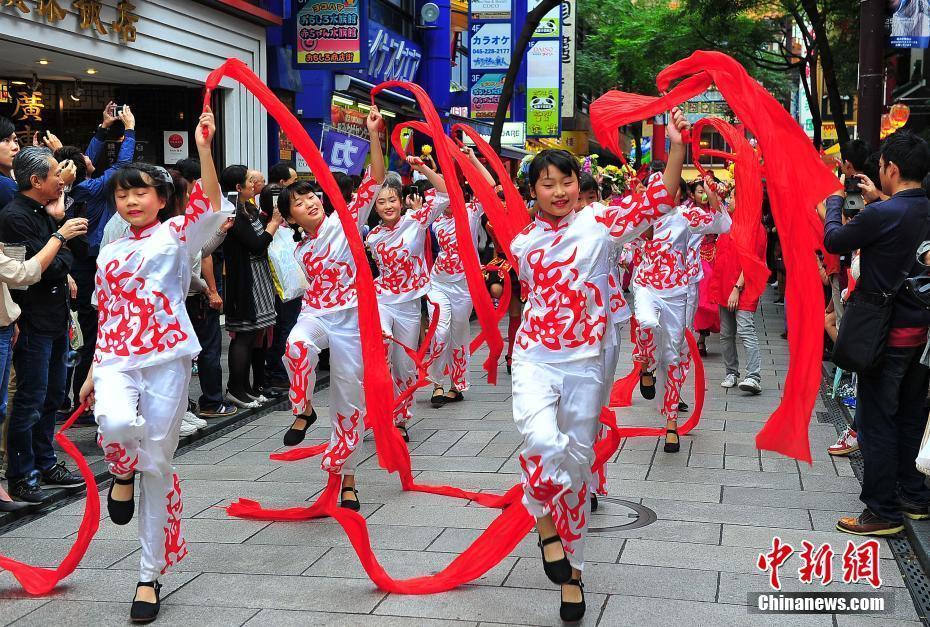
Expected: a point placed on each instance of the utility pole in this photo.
(871, 70)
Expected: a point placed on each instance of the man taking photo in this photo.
(891, 393)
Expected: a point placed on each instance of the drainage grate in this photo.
(918, 584)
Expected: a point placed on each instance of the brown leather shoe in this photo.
(868, 524)
(913, 510)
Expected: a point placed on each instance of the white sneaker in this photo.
(729, 381)
(750, 385)
(241, 404)
(846, 444)
(187, 429)
(191, 419)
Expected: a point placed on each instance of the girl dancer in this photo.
(396, 245)
(329, 318)
(704, 316)
(145, 344)
(660, 289)
(557, 369)
(449, 352)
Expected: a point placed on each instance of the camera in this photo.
(854, 202)
(118, 110)
(233, 198)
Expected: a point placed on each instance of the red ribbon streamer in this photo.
(467, 253)
(797, 180)
(37, 580)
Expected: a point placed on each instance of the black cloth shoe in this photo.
(672, 447)
(683, 406)
(559, 571)
(403, 432)
(438, 399)
(350, 504)
(28, 491)
(142, 611)
(648, 391)
(573, 612)
(222, 410)
(593, 502)
(12, 506)
(456, 396)
(121, 511)
(60, 477)
(296, 436)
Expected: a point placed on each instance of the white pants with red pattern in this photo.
(337, 331)
(449, 352)
(609, 358)
(556, 409)
(665, 316)
(139, 414)
(402, 322)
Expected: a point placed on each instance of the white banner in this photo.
(568, 59)
(175, 146)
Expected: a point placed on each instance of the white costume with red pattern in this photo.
(329, 319)
(403, 279)
(449, 353)
(661, 288)
(142, 366)
(557, 361)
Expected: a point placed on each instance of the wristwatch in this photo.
(60, 238)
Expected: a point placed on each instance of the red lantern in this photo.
(886, 126)
(899, 114)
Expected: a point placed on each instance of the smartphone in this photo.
(233, 198)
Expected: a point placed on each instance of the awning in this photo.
(359, 88)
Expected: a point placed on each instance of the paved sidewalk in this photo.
(719, 502)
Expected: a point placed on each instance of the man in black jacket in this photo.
(890, 397)
(40, 353)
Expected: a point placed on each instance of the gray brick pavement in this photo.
(719, 502)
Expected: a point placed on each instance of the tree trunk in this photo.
(533, 19)
(813, 98)
(826, 64)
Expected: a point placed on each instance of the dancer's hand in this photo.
(677, 125)
(87, 392)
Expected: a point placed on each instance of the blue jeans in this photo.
(206, 324)
(6, 364)
(41, 377)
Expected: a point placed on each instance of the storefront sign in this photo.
(513, 135)
(392, 58)
(88, 14)
(491, 9)
(176, 146)
(485, 94)
(490, 46)
(568, 58)
(29, 106)
(4, 91)
(330, 33)
(910, 24)
(344, 153)
(708, 104)
(549, 26)
(542, 88)
(348, 120)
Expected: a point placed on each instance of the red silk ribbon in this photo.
(797, 180)
(37, 580)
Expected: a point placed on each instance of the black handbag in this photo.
(863, 333)
(918, 287)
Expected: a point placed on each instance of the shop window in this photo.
(710, 140)
(396, 15)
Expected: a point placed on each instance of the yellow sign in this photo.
(575, 142)
(828, 130)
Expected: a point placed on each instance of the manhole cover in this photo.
(640, 516)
